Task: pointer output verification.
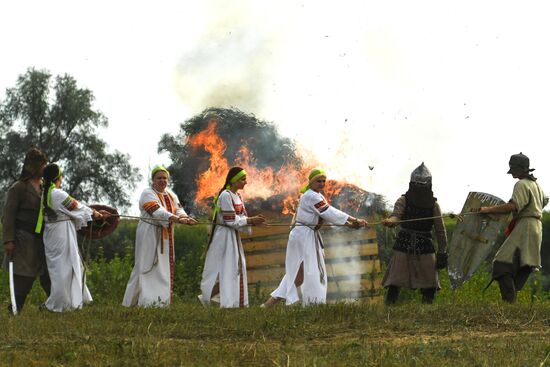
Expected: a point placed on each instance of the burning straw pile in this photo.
(216, 139)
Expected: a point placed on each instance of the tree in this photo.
(64, 125)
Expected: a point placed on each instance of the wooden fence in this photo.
(351, 258)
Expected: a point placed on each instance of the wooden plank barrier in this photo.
(351, 257)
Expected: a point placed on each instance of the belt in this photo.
(530, 216)
(308, 225)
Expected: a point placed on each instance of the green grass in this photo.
(465, 327)
(186, 334)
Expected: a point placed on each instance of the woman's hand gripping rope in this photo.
(356, 223)
(185, 219)
(258, 220)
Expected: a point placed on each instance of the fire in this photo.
(262, 183)
(210, 181)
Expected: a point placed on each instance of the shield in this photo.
(101, 228)
(475, 237)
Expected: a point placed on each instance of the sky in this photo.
(460, 86)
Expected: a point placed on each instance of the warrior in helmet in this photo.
(519, 255)
(413, 262)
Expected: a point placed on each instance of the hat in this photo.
(519, 163)
(35, 159)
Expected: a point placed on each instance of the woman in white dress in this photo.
(305, 279)
(225, 266)
(152, 280)
(63, 216)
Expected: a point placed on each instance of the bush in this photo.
(107, 280)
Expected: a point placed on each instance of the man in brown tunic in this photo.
(21, 244)
(519, 255)
(413, 263)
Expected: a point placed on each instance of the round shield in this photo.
(103, 227)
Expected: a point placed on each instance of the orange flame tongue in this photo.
(261, 181)
(210, 181)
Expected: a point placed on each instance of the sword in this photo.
(12, 290)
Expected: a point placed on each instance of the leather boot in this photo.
(521, 277)
(507, 288)
(428, 295)
(391, 295)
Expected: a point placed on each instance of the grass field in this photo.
(465, 327)
(410, 334)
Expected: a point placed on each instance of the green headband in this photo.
(157, 169)
(312, 176)
(58, 174)
(236, 178)
(233, 179)
(40, 220)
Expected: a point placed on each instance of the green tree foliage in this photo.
(58, 117)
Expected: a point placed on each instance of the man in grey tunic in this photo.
(414, 262)
(21, 244)
(519, 255)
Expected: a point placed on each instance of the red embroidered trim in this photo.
(170, 207)
(69, 203)
(241, 290)
(320, 204)
(151, 206)
(239, 209)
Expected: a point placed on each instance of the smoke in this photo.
(231, 64)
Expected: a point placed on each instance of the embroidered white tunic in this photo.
(225, 260)
(152, 280)
(305, 246)
(69, 290)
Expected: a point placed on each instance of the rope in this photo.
(279, 224)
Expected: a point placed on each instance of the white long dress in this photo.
(225, 260)
(69, 290)
(305, 246)
(152, 280)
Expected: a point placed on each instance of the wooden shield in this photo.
(101, 228)
(475, 237)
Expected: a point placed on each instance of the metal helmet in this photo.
(519, 163)
(421, 175)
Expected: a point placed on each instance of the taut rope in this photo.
(278, 224)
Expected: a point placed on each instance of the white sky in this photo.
(459, 85)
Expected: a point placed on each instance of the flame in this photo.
(210, 181)
(262, 183)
